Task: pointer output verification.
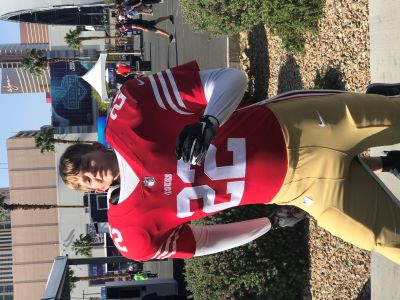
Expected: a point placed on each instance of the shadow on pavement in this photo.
(365, 293)
(259, 72)
(289, 78)
(179, 269)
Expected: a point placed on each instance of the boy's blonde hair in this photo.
(70, 165)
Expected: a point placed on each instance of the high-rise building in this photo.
(6, 277)
(14, 78)
(34, 33)
(35, 236)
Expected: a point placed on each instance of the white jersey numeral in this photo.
(205, 192)
(117, 106)
(117, 239)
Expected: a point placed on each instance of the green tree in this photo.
(102, 106)
(74, 40)
(6, 207)
(3, 212)
(37, 62)
(45, 141)
(83, 245)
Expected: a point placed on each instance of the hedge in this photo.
(274, 266)
(288, 19)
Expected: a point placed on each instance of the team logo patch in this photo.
(149, 181)
(167, 184)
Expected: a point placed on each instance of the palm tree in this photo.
(83, 245)
(45, 141)
(74, 40)
(37, 61)
(34, 63)
(22, 206)
(4, 207)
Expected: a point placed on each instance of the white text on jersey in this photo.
(205, 192)
(117, 105)
(167, 184)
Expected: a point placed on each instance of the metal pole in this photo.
(138, 53)
(98, 260)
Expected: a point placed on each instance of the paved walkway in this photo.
(208, 51)
(384, 30)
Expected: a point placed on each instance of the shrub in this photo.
(274, 266)
(288, 19)
(291, 19)
(221, 17)
(102, 106)
(329, 78)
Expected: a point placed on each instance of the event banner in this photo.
(72, 103)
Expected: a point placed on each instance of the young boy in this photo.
(300, 149)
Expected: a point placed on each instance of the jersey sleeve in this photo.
(137, 243)
(224, 89)
(211, 239)
(177, 90)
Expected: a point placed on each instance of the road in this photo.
(208, 51)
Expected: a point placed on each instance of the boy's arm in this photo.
(211, 239)
(216, 238)
(187, 240)
(223, 89)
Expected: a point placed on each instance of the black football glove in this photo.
(391, 163)
(195, 139)
(286, 216)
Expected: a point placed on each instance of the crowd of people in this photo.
(128, 18)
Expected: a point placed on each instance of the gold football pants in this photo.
(324, 135)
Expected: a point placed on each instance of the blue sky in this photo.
(19, 111)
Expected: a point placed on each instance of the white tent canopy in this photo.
(11, 8)
(96, 76)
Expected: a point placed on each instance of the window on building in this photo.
(101, 202)
(8, 288)
(5, 273)
(6, 277)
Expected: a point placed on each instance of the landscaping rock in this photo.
(338, 270)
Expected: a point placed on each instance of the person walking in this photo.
(146, 25)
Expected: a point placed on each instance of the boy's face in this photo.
(99, 168)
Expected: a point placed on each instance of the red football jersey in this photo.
(245, 164)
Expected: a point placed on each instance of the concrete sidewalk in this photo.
(384, 30)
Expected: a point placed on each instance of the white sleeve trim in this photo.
(223, 89)
(211, 239)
